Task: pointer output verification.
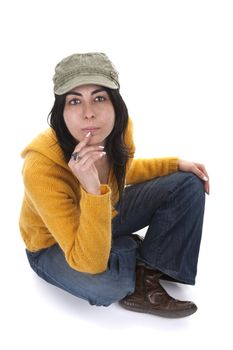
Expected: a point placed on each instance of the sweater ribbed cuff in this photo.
(95, 200)
(173, 164)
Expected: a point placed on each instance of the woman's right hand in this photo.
(84, 167)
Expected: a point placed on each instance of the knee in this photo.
(193, 184)
(196, 183)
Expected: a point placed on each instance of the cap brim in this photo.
(83, 80)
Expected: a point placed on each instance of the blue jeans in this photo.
(172, 207)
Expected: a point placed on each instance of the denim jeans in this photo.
(172, 209)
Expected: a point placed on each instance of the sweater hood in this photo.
(46, 143)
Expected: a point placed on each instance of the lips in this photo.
(90, 129)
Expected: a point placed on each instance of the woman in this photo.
(86, 196)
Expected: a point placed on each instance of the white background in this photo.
(176, 72)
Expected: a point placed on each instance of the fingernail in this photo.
(205, 178)
(102, 154)
(88, 134)
(102, 147)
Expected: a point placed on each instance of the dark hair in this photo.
(115, 147)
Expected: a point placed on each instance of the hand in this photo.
(197, 169)
(84, 168)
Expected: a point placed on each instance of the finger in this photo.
(77, 156)
(83, 143)
(203, 170)
(90, 149)
(206, 174)
(207, 187)
(199, 173)
(203, 175)
(82, 160)
(88, 161)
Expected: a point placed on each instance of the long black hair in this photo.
(117, 151)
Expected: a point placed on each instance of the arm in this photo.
(79, 222)
(144, 169)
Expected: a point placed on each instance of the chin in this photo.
(97, 141)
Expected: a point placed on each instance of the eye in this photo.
(74, 101)
(100, 98)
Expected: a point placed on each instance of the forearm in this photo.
(90, 249)
(145, 169)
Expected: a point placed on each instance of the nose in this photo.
(88, 112)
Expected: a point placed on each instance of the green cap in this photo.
(85, 68)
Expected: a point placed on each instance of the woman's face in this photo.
(88, 108)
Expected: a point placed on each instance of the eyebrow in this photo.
(78, 93)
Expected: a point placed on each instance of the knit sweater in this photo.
(57, 210)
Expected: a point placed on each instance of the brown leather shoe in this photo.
(150, 297)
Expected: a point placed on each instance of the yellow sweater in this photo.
(56, 209)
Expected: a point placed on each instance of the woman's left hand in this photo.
(198, 169)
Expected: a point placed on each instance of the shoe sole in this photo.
(164, 313)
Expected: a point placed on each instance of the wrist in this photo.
(95, 191)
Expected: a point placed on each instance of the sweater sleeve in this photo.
(145, 169)
(81, 226)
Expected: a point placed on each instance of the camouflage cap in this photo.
(85, 68)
